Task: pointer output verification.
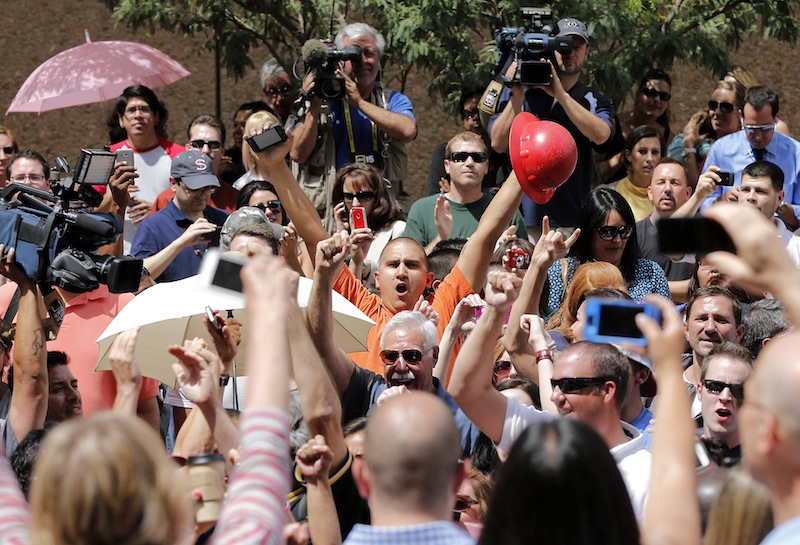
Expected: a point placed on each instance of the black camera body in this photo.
(54, 241)
(324, 57)
(528, 46)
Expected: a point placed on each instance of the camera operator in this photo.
(371, 125)
(585, 113)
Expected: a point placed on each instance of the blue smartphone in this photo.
(613, 320)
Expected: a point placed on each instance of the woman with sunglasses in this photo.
(608, 233)
(722, 118)
(262, 195)
(644, 149)
(361, 185)
(8, 147)
(651, 107)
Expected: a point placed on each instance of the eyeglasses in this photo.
(502, 368)
(653, 93)
(411, 355)
(464, 502)
(35, 178)
(362, 196)
(716, 387)
(570, 385)
(765, 128)
(8, 150)
(724, 107)
(462, 156)
(608, 232)
(130, 112)
(470, 114)
(199, 144)
(274, 91)
(209, 189)
(275, 206)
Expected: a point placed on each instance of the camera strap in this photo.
(349, 122)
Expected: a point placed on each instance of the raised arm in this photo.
(475, 257)
(319, 399)
(672, 513)
(330, 260)
(297, 204)
(471, 381)
(126, 372)
(315, 460)
(31, 387)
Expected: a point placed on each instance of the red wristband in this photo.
(544, 355)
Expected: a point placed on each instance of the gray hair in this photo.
(409, 319)
(270, 69)
(355, 31)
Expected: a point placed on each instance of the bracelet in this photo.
(223, 380)
(687, 151)
(544, 355)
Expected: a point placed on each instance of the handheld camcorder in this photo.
(54, 236)
(324, 58)
(528, 46)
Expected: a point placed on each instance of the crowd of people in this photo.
(479, 411)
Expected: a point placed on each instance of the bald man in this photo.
(770, 422)
(410, 473)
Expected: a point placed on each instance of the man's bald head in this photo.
(411, 451)
(776, 381)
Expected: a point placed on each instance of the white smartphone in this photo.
(222, 270)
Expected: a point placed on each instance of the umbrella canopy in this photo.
(170, 312)
(94, 72)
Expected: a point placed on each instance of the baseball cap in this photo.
(649, 388)
(246, 215)
(573, 27)
(195, 169)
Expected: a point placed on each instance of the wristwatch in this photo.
(223, 380)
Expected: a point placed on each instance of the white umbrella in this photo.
(170, 312)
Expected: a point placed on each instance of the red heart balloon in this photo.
(543, 155)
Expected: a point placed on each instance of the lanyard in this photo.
(349, 123)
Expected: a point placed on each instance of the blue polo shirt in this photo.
(733, 152)
(158, 230)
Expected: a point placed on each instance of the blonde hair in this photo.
(8, 132)
(741, 514)
(107, 480)
(587, 277)
(255, 121)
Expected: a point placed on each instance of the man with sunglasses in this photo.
(758, 141)
(172, 241)
(721, 391)
(456, 213)
(206, 133)
(589, 383)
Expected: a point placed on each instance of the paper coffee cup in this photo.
(207, 476)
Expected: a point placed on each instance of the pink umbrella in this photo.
(94, 72)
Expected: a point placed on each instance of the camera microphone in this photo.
(91, 224)
(314, 52)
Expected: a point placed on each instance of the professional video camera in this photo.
(324, 58)
(54, 242)
(529, 46)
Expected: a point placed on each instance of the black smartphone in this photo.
(222, 271)
(726, 178)
(678, 236)
(267, 139)
(212, 235)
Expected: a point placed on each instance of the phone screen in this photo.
(692, 236)
(227, 275)
(619, 321)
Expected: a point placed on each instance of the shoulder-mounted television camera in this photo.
(54, 235)
(324, 57)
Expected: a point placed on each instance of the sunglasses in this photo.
(8, 150)
(275, 206)
(608, 232)
(502, 368)
(765, 128)
(274, 91)
(464, 502)
(569, 385)
(716, 387)
(462, 156)
(145, 110)
(469, 114)
(653, 93)
(362, 196)
(724, 107)
(198, 144)
(208, 190)
(411, 355)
